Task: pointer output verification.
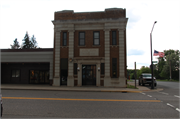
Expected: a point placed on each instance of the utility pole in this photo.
(170, 66)
(152, 80)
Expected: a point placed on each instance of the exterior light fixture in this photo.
(70, 59)
(98, 68)
(78, 68)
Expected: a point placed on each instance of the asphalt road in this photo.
(66, 104)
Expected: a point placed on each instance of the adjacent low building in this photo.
(89, 49)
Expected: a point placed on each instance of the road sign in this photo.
(154, 61)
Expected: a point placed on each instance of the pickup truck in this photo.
(146, 78)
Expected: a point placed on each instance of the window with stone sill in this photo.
(64, 38)
(96, 37)
(81, 38)
(114, 41)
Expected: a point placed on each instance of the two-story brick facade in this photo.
(90, 48)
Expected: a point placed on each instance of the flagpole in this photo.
(152, 85)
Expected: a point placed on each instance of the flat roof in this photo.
(28, 50)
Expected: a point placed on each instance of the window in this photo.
(96, 38)
(102, 68)
(114, 67)
(81, 38)
(75, 68)
(114, 38)
(64, 63)
(15, 73)
(64, 38)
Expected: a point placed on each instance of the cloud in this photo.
(135, 52)
(133, 18)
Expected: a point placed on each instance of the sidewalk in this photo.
(47, 87)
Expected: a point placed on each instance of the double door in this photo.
(88, 74)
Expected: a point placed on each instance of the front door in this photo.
(88, 74)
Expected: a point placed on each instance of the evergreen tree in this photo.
(33, 42)
(27, 44)
(15, 45)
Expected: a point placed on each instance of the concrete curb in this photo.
(83, 90)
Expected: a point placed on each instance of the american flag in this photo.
(157, 53)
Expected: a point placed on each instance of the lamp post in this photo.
(152, 85)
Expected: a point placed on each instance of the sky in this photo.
(35, 17)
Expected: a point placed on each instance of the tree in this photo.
(27, 43)
(15, 45)
(145, 70)
(171, 62)
(33, 42)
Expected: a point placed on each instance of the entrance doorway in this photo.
(88, 74)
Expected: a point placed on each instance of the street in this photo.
(69, 104)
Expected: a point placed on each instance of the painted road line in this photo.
(123, 91)
(177, 96)
(30, 98)
(178, 109)
(143, 93)
(164, 93)
(149, 95)
(170, 105)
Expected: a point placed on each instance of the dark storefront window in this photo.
(64, 71)
(64, 38)
(102, 68)
(114, 67)
(37, 76)
(114, 38)
(75, 68)
(15, 73)
(81, 38)
(96, 38)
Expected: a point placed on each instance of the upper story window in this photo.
(81, 38)
(64, 38)
(114, 38)
(96, 38)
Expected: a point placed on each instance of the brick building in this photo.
(90, 48)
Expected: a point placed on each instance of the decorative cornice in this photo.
(109, 20)
(72, 30)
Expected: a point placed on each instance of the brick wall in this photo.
(70, 15)
(88, 42)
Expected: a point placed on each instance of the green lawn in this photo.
(130, 86)
(167, 80)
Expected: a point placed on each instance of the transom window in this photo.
(64, 38)
(81, 38)
(96, 38)
(114, 38)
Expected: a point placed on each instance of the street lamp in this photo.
(152, 85)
